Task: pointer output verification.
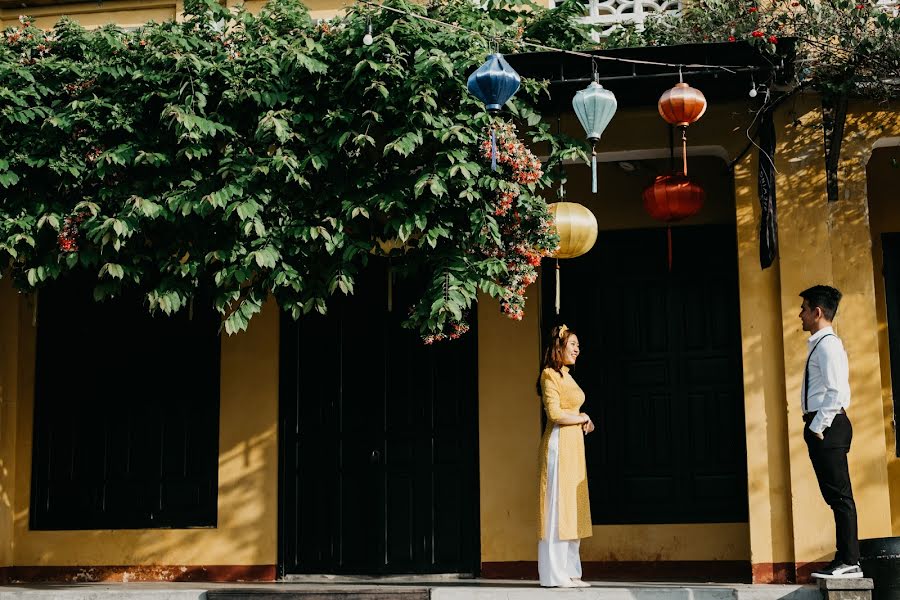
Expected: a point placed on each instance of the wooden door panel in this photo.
(404, 421)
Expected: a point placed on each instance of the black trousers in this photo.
(829, 460)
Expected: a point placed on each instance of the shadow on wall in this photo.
(821, 242)
(828, 243)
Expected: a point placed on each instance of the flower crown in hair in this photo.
(562, 331)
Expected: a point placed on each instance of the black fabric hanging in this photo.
(768, 221)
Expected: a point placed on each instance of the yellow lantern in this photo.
(577, 228)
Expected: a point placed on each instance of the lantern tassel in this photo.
(594, 171)
(493, 149)
(669, 236)
(557, 286)
(684, 148)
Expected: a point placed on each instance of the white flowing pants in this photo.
(558, 560)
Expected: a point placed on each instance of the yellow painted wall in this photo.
(819, 243)
(126, 13)
(248, 469)
(884, 215)
(824, 242)
(509, 425)
(133, 13)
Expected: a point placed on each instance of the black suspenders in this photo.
(806, 373)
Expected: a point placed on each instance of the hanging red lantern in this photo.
(681, 106)
(672, 198)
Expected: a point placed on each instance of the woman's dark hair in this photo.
(554, 351)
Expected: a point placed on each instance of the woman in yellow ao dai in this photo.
(565, 512)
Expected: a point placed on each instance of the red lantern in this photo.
(673, 198)
(681, 106)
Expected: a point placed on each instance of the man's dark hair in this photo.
(825, 297)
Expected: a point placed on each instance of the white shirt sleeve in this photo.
(836, 378)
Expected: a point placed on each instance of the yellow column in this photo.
(9, 382)
(509, 431)
(768, 471)
(828, 243)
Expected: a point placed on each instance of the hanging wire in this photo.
(544, 47)
(765, 106)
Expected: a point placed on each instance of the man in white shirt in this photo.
(825, 397)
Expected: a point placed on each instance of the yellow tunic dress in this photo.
(561, 394)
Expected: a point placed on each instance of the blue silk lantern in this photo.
(494, 83)
(595, 107)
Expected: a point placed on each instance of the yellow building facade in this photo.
(837, 243)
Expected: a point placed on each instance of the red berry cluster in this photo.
(79, 86)
(68, 235)
(93, 154)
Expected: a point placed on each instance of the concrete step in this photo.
(104, 591)
(607, 591)
(321, 592)
(457, 590)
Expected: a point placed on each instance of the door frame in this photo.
(890, 270)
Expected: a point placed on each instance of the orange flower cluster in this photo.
(504, 203)
(527, 236)
(457, 329)
(526, 168)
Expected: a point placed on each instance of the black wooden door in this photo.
(379, 441)
(661, 367)
(890, 243)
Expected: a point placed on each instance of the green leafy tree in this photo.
(255, 156)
